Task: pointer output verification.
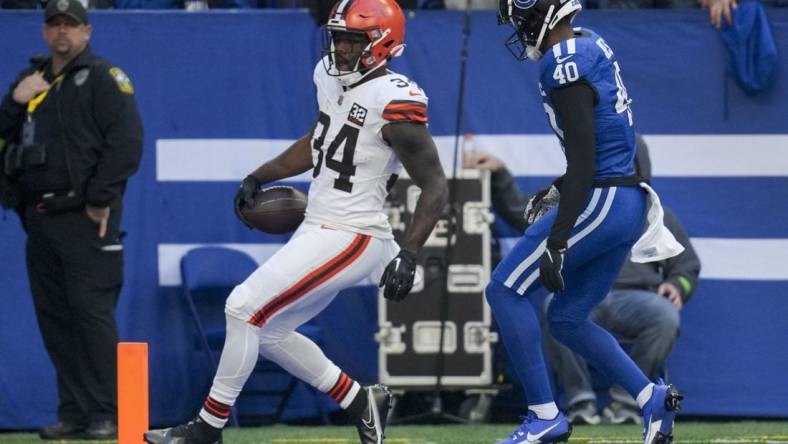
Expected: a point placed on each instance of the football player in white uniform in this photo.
(371, 122)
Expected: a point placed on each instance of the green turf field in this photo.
(686, 433)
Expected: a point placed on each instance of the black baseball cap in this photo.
(71, 8)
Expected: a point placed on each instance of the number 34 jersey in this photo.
(353, 166)
(587, 58)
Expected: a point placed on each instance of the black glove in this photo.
(398, 276)
(245, 197)
(550, 270)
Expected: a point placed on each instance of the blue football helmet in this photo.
(532, 20)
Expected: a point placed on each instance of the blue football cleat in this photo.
(659, 412)
(540, 431)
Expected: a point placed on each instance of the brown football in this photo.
(276, 210)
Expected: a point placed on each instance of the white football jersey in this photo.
(354, 167)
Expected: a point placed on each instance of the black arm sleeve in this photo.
(507, 199)
(574, 105)
(682, 270)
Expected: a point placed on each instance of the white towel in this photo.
(657, 242)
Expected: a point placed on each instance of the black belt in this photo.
(53, 202)
(626, 181)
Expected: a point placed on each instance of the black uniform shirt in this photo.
(89, 122)
(53, 175)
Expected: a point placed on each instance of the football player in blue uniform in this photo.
(576, 249)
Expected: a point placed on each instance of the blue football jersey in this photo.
(587, 58)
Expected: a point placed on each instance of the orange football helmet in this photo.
(381, 22)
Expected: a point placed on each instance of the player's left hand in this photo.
(669, 291)
(550, 269)
(397, 279)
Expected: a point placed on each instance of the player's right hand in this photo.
(397, 279)
(550, 270)
(29, 87)
(245, 197)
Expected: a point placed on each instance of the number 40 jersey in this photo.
(353, 167)
(587, 58)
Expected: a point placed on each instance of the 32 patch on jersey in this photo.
(357, 114)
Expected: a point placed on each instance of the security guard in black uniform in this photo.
(70, 137)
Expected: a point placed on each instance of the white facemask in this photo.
(533, 53)
(351, 78)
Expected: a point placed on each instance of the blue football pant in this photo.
(611, 222)
(647, 321)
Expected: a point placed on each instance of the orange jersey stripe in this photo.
(405, 106)
(406, 102)
(396, 117)
(405, 109)
(404, 113)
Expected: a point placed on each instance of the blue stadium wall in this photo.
(221, 92)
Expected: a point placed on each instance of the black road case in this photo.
(409, 331)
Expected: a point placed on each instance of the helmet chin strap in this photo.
(350, 78)
(356, 76)
(533, 52)
(550, 21)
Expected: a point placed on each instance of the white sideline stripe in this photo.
(215, 160)
(742, 259)
(730, 259)
(715, 155)
(726, 259)
(170, 256)
(740, 155)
